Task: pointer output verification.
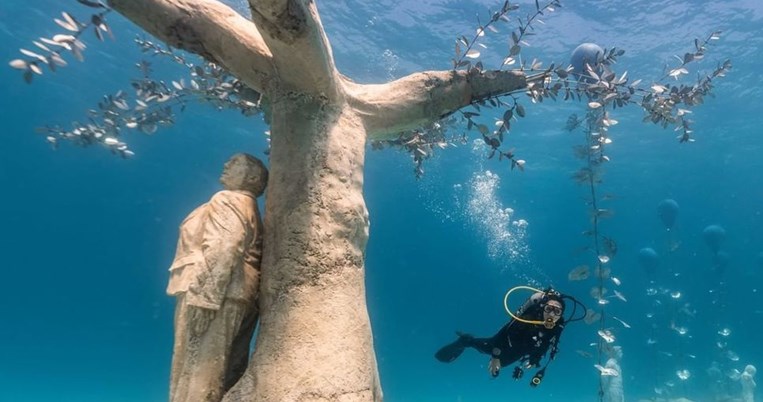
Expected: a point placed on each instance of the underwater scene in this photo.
(588, 227)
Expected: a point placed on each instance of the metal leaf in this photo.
(69, 19)
(35, 68)
(94, 4)
(32, 54)
(19, 64)
(515, 50)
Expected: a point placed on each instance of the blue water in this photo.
(87, 237)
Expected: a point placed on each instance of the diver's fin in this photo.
(451, 351)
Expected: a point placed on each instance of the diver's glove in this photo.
(494, 367)
(518, 372)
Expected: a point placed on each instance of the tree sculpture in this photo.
(315, 341)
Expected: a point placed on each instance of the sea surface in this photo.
(86, 236)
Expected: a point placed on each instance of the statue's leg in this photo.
(212, 353)
(240, 350)
(200, 361)
(178, 381)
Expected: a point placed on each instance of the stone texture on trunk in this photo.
(293, 29)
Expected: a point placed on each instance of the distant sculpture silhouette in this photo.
(667, 210)
(747, 379)
(215, 278)
(648, 260)
(714, 236)
(613, 385)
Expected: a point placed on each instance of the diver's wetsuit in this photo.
(515, 341)
(518, 341)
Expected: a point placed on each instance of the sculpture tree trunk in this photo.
(314, 341)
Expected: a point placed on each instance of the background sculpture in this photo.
(747, 379)
(613, 384)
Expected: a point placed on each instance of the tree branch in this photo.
(421, 98)
(207, 28)
(293, 32)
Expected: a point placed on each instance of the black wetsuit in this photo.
(516, 341)
(519, 341)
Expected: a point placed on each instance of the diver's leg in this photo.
(451, 351)
(482, 345)
(499, 345)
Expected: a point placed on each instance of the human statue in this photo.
(215, 278)
(613, 384)
(747, 379)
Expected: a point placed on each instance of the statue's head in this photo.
(244, 172)
(616, 352)
(750, 369)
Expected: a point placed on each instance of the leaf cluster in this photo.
(494, 138)
(154, 103)
(52, 49)
(663, 103)
(595, 128)
(421, 144)
(465, 48)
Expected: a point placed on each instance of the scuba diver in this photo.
(526, 338)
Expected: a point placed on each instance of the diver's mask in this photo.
(550, 309)
(551, 314)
